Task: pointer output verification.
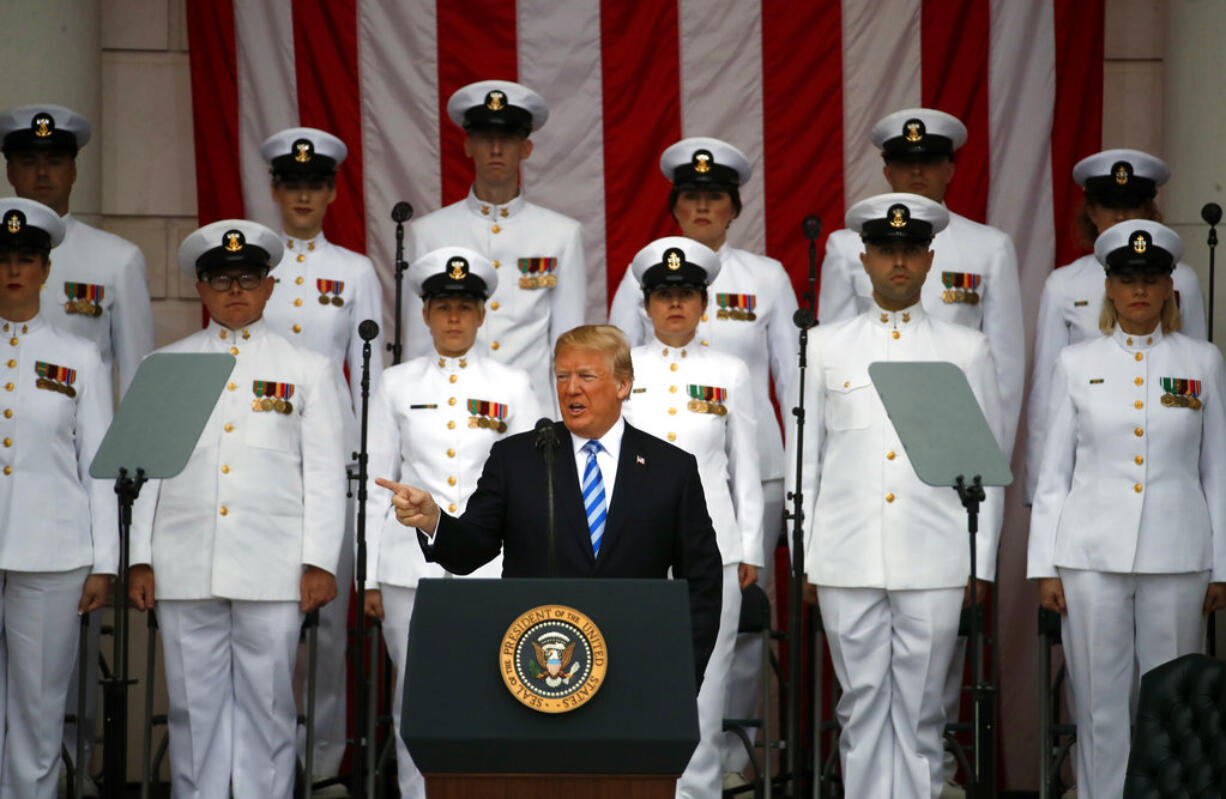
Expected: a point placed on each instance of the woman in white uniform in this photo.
(58, 539)
(432, 423)
(701, 400)
(1128, 530)
(1119, 185)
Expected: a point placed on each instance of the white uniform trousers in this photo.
(745, 674)
(93, 646)
(890, 650)
(1118, 627)
(331, 661)
(702, 777)
(397, 610)
(229, 674)
(40, 628)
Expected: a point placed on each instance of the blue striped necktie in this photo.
(593, 495)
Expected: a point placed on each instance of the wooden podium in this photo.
(473, 739)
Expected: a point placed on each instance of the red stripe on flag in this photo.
(476, 41)
(1078, 128)
(641, 77)
(954, 38)
(329, 98)
(214, 68)
(802, 109)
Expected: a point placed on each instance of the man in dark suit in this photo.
(649, 518)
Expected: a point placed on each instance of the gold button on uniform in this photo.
(451, 508)
(895, 334)
(8, 442)
(297, 302)
(846, 384)
(1137, 488)
(450, 452)
(495, 229)
(224, 510)
(8, 469)
(672, 436)
(889, 456)
(222, 334)
(1139, 380)
(1139, 357)
(452, 379)
(229, 428)
(1138, 405)
(672, 411)
(231, 386)
(494, 345)
(297, 328)
(12, 363)
(1139, 432)
(889, 497)
(234, 350)
(299, 280)
(494, 305)
(704, 317)
(8, 413)
(8, 386)
(672, 389)
(301, 258)
(451, 480)
(706, 343)
(497, 264)
(672, 367)
(451, 424)
(1139, 460)
(225, 469)
(13, 341)
(451, 400)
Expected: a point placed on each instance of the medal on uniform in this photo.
(333, 287)
(961, 287)
(55, 378)
(707, 399)
(738, 307)
(537, 273)
(1181, 393)
(272, 396)
(487, 415)
(83, 298)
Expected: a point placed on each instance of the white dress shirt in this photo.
(767, 342)
(869, 520)
(55, 516)
(1069, 308)
(123, 331)
(1131, 481)
(263, 494)
(523, 316)
(426, 431)
(724, 444)
(964, 248)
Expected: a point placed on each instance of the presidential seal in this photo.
(553, 659)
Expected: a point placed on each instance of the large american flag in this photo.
(795, 84)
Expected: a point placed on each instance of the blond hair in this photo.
(605, 338)
(1171, 319)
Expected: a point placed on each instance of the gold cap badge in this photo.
(303, 150)
(672, 259)
(234, 241)
(13, 222)
(898, 216)
(43, 124)
(702, 162)
(1139, 244)
(1123, 171)
(913, 130)
(494, 101)
(458, 268)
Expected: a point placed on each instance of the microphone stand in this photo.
(363, 774)
(546, 442)
(1212, 214)
(804, 319)
(402, 212)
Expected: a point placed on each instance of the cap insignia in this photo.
(458, 268)
(495, 100)
(673, 258)
(913, 130)
(1140, 243)
(899, 216)
(14, 221)
(303, 151)
(702, 162)
(42, 124)
(234, 241)
(1123, 170)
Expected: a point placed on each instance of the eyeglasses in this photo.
(247, 281)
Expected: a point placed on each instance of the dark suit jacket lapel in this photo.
(568, 497)
(630, 480)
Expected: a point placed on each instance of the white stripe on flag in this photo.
(267, 95)
(881, 74)
(559, 56)
(398, 68)
(721, 95)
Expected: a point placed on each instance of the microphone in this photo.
(402, 212)
(545, 438)
(368, 329)
(812, 226)
(1211, 213)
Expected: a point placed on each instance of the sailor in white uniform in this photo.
(1119, 185)
(432, 423)
(246, 539)
(887, 553)
(538, 253)
(323, 292)
(58, 542)
(701, 400)
(1128, 528)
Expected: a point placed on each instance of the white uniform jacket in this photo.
(432, 423)
(542, 280)
(264, 491)
(869, 521)
(759, 332)
(964, 249)
(53, 515)
(676, 397)
(1068, 313)
(100, 270)
(1133, 472)
(310, 273)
